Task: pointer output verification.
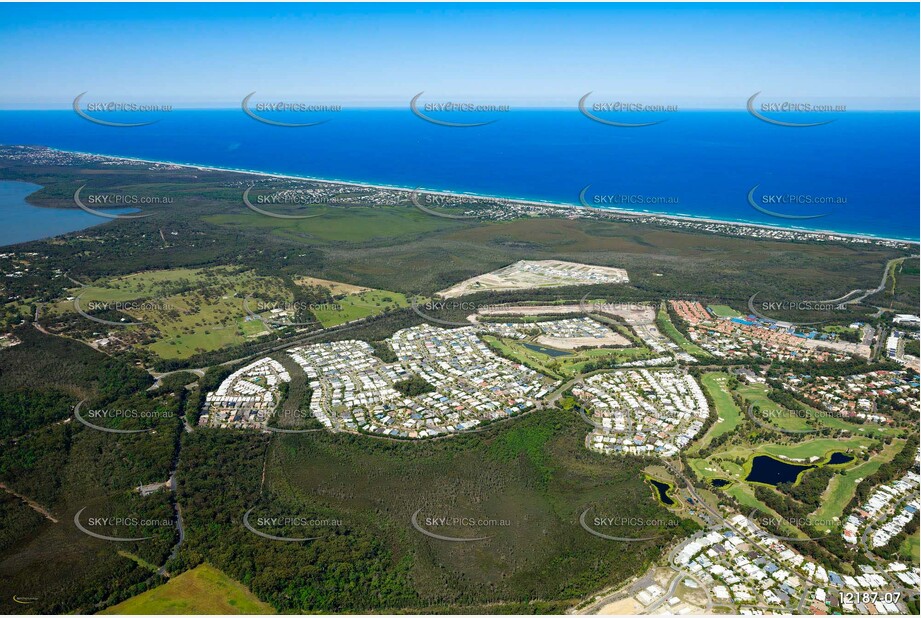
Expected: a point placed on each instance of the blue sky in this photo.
(704, 55)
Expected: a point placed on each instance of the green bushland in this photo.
(534, 473)
(412, 386)
(65, 467)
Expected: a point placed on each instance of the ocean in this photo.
(858, 174)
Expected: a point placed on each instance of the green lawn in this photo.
(669, 330)
(360, 305)
(729, 415)
(203, 590)
(911, 546)
(723, 311)
(535, 360)
(146, 284)
(802, 451)
(842, 486)
(191, 310)
(797, 419)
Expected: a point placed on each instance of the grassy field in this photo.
(187, 310)
(360, 305)
(669, 330)
(724, 311)
(803, 451)
(842, 486)
(729, 415)
(559, 366)
(157, 283)
(203, 590)
(911, 546)
(797, 419)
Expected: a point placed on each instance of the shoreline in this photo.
(525, 202)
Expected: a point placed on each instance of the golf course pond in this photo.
(770, 471)
(543, 350)
(662, 490)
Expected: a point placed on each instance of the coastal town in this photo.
(747, 336)
(247, 398)
(643, 412)
(464, 383)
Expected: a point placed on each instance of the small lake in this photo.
(837, 459)
(720, 483)
(662, 490)
(770, 471)
(542, 350)
(22, 222)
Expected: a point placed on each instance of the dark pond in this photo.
(662, 491)
(720, 483)
(772, 471)
(839, 458)
(543, 350)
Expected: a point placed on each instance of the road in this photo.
(879, 288)
(32, 504)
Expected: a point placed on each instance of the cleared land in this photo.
(335, 287)
(203, 590)
(360, 305)
(529, 274)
